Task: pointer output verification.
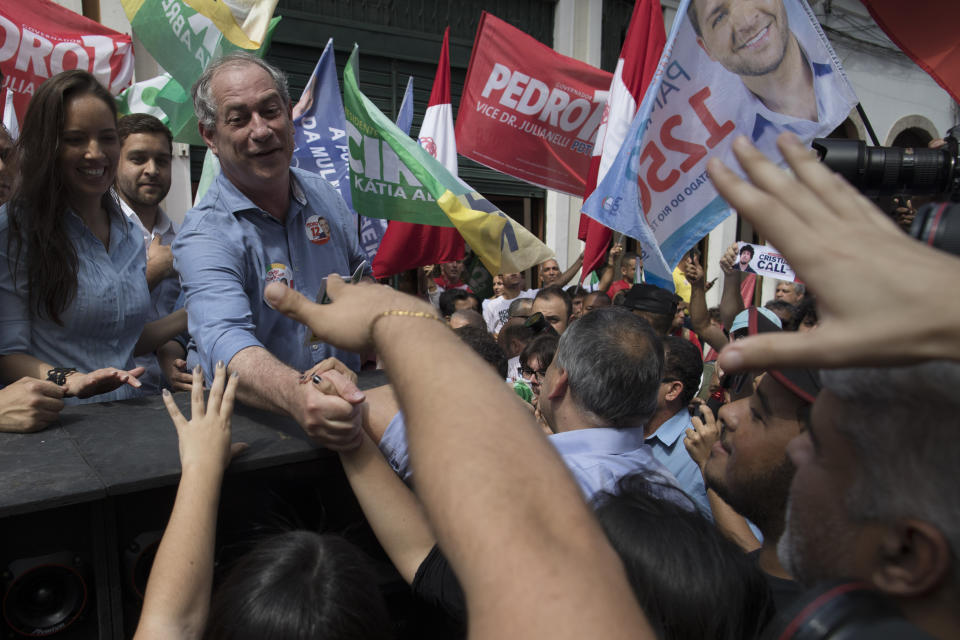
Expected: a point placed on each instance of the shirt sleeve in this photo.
(218, 308)
(14, 310)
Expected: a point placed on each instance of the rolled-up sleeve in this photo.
(212, 275)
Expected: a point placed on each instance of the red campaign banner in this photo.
(529, 111)
(39, 39)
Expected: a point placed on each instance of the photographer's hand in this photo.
(873, 283)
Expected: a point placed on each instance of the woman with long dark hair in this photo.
(73, 304)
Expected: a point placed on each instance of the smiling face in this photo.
(89, 148)
(747, 37)
(748, 465)
(143, 175)
(497, 285)
(253, 135)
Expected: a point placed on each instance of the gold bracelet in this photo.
(402, 313)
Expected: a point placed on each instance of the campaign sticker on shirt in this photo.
(318, 230)
(278, 272)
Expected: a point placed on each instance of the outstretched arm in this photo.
(878, 312)
(178, 592)
(157, 333)
(572, 271)
(80, 384)
(699, 317)
(511, 519)
(393, 511)
(610, 268)
(731, 300)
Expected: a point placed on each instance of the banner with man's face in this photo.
(763, 260)
(755, 68)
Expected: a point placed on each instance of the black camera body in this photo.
(886, 171)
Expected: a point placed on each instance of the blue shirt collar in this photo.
(673, 429)
(235, 201)
(598, 440)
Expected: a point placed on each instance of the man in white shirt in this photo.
(143, 180)
(497, 310)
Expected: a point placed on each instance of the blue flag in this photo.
(372, 229)
(704, 93)
(319, 137)
(405, 115)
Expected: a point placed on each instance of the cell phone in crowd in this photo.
(357, 276)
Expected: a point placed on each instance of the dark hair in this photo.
(678, 562)
(806, 310)
(714, 313)
(659, 322)
(682, 362)
(471, 317)
(747, 249)
(544, 347)
(600, 295)
(614, 365)
(36, 211)
(514, 329)
(485, 346)
(576, 291)
(299, 585)
(513, 309)
(448, 299)
(785, 311)
(143, 123)
(553, 291)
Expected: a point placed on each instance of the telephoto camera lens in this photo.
(885, 171)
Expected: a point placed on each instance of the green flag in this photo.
(183, 42)
(393, 177)
(164, 98)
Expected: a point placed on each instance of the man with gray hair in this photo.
(596, 395)
(262, 221)
(790, 292)
(874, 496)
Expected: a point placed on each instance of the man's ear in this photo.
(674, 391)
(914, 559)
(207, 135)
(558, 386)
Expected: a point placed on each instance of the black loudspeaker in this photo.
(55, 577)
(83, 506)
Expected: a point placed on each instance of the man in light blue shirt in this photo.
(683, 369)
(602, 382)
(263, 222)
